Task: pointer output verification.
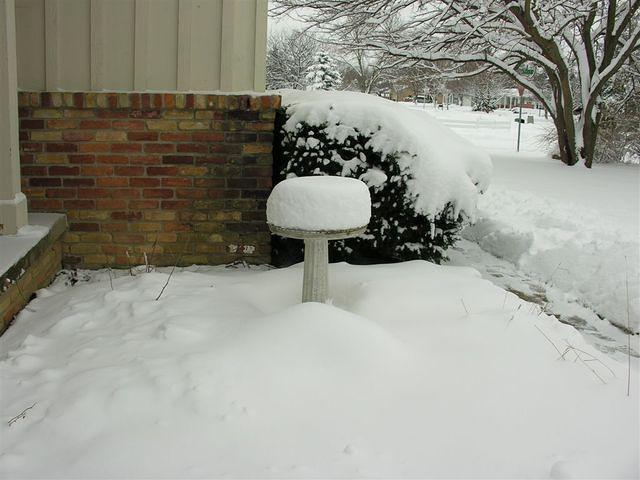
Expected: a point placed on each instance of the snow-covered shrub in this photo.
(423, 179)
(323, 74)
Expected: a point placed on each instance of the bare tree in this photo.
(289, 56)
(579, 45)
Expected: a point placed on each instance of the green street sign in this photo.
(527, 71)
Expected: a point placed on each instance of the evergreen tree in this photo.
(323, 74)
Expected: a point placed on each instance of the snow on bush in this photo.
(424, 179)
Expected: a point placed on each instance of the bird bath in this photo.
(318, 209)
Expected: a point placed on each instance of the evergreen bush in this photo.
(396, 232)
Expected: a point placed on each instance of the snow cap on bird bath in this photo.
(317, 209)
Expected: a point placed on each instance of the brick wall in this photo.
(181, 177)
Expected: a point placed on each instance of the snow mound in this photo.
(415, 371)
(446, 168)
(319, 203)
(564, 244)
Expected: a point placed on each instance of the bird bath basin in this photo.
(318, 209)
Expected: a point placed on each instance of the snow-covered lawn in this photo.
(415, 370)
(570, 227)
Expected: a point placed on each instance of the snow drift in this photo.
(415, 371)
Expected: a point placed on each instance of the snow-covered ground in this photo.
(414, 370)
(569, 227)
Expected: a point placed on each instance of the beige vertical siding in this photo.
(141, 44)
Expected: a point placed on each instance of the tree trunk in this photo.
(589, 139)
(566, 132)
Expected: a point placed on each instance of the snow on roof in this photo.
(445, 167)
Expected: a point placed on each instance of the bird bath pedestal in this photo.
(318, 209)
(315, 282)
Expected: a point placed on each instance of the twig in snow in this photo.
(129, 262)
(178, 257)
(21, 415)
(465, 307)
(504, 302)
(626, 276)
(153, 250)
(110, 277)
(512, 317)
(146, 262)
(579, 356)
(549, 340)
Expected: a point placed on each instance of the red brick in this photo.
(169, 100)
(129, 171)
(114, 227)
(79, 204)
(191, 193)
(28, 170)
(177, 182)
(257, 171)
(95, 124)
(145, 160)
(134, 99)
(112, 100)
(159, 147)
(113, 159)
(126, 215)
(111, 204)
(126, 147)
(146, 100)
(112, 114)
(144, 204)
(164, 171)
(145, 114)
(157, 193)
(210, 160)
(93, 192)
(208, 136)
(113, 182)
(63, 124)
(84, 227)
(61, 147)
(45, 205)
(30, 147)
(78, 182)
(31, 124)
(142, 136)
(177, 160)
(128, 239)
(175, 137)
(144, 182)
(84, 159)
(63, 170)
(157, 100)
(209, 182)
(75, 136)
(45, 182)
(176, 204)
(78, 100)
(96, 171)
(128, 124)
(193, 148)
(93, 147)
(125, 192)
(190, 101)
(61, 192)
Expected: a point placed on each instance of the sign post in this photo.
(521, 92)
